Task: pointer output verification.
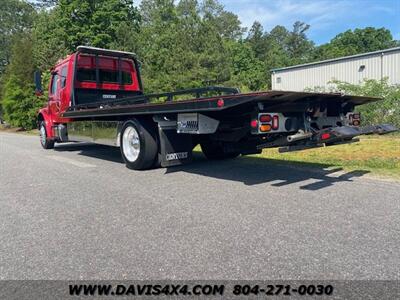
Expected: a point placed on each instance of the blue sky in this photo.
(326, 17)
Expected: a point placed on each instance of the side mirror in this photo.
(38, 83)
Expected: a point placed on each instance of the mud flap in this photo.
(175, 149)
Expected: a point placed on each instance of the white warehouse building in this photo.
(352, 69)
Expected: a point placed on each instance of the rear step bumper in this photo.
(378, 129)
(348, 132)
(338, 136)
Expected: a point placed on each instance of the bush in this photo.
(20, 105)
(385, 111)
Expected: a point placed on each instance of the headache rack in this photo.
(140, 98)
(109, 53)
(195, 93)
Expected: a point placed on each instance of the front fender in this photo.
(45, 117)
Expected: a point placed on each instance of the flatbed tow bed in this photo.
(280, 100)
(104, 103)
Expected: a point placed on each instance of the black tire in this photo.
(216, 151)
(44, 141)
(144, 141)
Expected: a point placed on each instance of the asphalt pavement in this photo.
(76, 212)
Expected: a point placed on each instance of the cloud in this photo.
(285, 12)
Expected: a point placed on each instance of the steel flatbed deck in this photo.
(273, 99)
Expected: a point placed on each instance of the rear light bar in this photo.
(266, 122)
(275, 122)
(354, 119)
(265, 128)
(265, 118)
(325, 136)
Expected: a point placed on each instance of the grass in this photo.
(380, 155)
(18, 130)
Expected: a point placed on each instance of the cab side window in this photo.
(64, 72)
(54, 81)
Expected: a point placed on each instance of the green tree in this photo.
(19, 103)
(100, 23)
(356, 41)
(157, 39)
(276, 54)
(280, 47)
(48, 40)
(16, 16)
(226, 23)
(248, 72)
(257, 40)
(299, 47)
(181, 46)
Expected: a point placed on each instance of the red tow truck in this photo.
(96, 95)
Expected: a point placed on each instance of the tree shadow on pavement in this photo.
(249, 170)
(254, 170)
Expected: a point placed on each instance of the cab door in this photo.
(54, 94)
(58, 93)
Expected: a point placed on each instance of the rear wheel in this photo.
(217, 151)
(44, 140)
(138, 144)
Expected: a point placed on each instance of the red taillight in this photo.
(325, 136)
(275, 123)
(268, 122)
(220, 102)
(254, 123)
(265, 118)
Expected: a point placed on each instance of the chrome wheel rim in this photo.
(42, 135)
(131, 144)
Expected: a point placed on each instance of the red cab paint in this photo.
(89, 80)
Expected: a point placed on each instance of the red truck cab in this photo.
(82, 78)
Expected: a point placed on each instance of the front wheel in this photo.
(138, 144)
(44, 140)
